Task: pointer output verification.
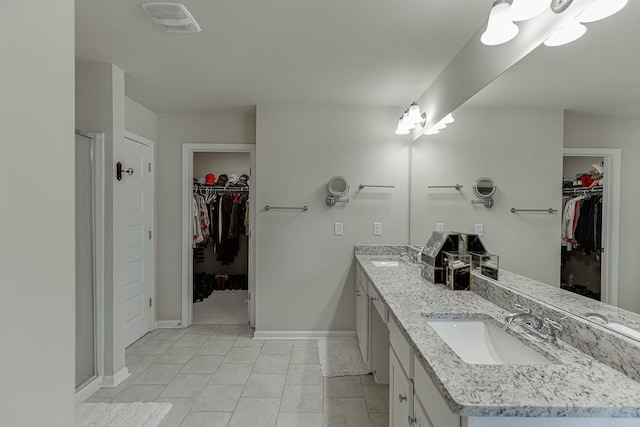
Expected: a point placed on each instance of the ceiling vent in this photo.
(172, 17)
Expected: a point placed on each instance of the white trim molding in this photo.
(188, 151)
(611, 216)
(302, 335)
(112, 381)
(85, 392)
(169, 324)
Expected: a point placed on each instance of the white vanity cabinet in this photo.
(400, 393)
(362, 315)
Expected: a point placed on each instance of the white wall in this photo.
(100, 108)
(603, 132)
(223, 127)
(305, 275)
(521, 149)
(139, 119)
(217, 164)
(37, 249)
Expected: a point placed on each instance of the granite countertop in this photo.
(573, 385)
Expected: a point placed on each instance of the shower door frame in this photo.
(90, 386)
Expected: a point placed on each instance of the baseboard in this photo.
(169, 324)
(87, 391)
(302, 335)
(112, 381)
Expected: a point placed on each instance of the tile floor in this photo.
(217, 375)
(223, 307)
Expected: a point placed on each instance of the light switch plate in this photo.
(338, 229)
(440, 226)
(377, 229)
(480, 229)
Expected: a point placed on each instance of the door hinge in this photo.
(249, 296)
(149, 166)
(150, 235)
(150, 302)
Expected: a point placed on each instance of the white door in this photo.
(137, 251)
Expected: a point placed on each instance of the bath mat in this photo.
(121, 414)
(340, 357)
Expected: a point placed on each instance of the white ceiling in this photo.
(355, 52)
(598, 74)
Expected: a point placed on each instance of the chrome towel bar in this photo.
(376, 186)
(286, 208)
(457, 186)
(550, 210)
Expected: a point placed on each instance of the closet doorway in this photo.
(218, 217)
(591, 222)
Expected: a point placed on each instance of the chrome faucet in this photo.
(543, 328)
(414, 258)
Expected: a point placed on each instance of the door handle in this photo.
(402, 398)
(412, 420)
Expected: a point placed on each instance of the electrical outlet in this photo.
(440, 226)
(377, 229)
(480, 229)
(338, 229)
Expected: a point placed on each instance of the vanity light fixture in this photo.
(601, 9)
(401, 129)
(406, 121)
(567, 34)
(435, 129)
(414, 113)
(522, 10)
(500, 27)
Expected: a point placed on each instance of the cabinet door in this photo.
(400, 393)
(421, 419)
(362, 323)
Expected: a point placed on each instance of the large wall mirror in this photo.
(564, 116)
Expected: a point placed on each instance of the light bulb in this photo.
(448, 119)
(406, 121)
(567, 34)
(500, 27)
(521, 10)
(601, 9)
(414, 113)
(401, 129)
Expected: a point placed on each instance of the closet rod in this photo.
(550, 210)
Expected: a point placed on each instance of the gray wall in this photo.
(604, 132)
(100, 108)
(521, 149)
(222, 127)
(139, 119)
(37, 254)
(305, 274)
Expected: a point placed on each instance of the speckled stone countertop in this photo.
(573, 385)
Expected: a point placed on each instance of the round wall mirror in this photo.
(338, 186)
(484, 188)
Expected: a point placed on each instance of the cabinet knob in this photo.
(412, 420)
(402, 398)
(374, 298)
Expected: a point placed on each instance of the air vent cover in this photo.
(172, 17)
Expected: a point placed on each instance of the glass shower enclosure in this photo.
(86, 271)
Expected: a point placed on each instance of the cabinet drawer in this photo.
(429, 396)
(377, 302)
(401, 347)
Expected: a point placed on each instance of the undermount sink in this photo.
(481, 342)
(602, 320)
(386, 263)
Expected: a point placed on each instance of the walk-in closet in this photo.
(581, 233)
(221, 228)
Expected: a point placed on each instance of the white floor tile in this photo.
(277, 347)
(348, 386)
(179, 410)
(216, 347)
(304, 374)
(202, 365)
(345, 412)
(252, 412)
(177, 355)
(138, 393)
(302, 398)
(137, 363)
(218, 398)
(242, 355)
(299, 420)
(264, 385)
(271, 364)
(206, 419)
(161, 373)
(186, 385)
(377, 398)
(305, 355)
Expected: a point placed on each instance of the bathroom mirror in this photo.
(338, 187)
(484, 188)
(556, 104)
